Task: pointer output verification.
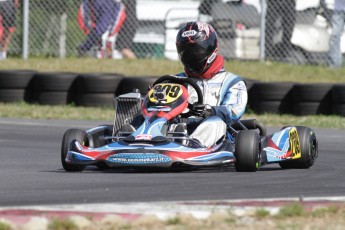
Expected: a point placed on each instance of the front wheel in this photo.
(309, 150)
(68, 137)
(247, 151)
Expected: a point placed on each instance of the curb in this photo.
(20, 216)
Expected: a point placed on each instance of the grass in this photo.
(292, 210)
(71, 112)
(261, 213)
(62, 224)
(5, 226)
(263, 71)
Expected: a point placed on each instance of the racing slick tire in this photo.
(309, 150)
(97, 136)
(97, 139)
(68, 137)
(247, 151)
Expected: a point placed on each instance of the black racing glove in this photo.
(201, 110)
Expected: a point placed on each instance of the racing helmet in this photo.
(197, 46)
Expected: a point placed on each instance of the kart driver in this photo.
(224, 93)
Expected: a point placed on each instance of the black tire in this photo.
(309, 150)
(98, 134)
(250, 83)
(97, 139)
(54, 81)
(13, 95)
(129, 83)
(272, 91)
(247, 151)
(98, 82)
(338, 94)
(15, 79)
(95, 99)
(270, 97)
(311, 108)
(54, 98)
(338, 109)
(68, 137)
(275, 107)
(313, 92)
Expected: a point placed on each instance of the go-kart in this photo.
(163, 141)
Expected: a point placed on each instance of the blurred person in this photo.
(224, 93)
(124, 40)
(97, 17)
(280, 19)
(8, 11)
(337, 7)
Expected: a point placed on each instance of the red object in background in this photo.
(86, 29)
(12, 29)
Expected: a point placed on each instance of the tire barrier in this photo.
(53, 88)
(273, 97)
(96, 89)
(309, 99)
(15, 85)
(141, 83)
(99, 89)
(338, 100)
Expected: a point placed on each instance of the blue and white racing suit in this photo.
(227, 94)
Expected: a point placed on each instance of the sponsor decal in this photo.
(294, 144)
(143, 136)
(78, 145)
(189, 33)
(138, 158)
(211, 58)
(289, 145)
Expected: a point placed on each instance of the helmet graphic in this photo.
(197, 46)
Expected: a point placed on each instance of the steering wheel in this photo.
(183, 81)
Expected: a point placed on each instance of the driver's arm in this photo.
(233, 104)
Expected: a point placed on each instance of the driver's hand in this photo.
(201, 110)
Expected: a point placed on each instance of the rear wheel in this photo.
(68, 137)
(309, 150)
(247, 151)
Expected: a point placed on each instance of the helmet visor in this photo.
(194, 59)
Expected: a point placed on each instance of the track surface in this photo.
(31, 173)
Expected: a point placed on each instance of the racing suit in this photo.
(226, 94)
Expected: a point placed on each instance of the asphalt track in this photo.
(31, 173)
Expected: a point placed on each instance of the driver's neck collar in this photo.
(216, 67)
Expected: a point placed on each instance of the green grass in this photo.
(291, 210)
(263, 71)
(262, 213)
(62, 224)
(70, 112)
(5, 226)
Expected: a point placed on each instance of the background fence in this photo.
(281, 30)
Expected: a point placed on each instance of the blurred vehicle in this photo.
(154, 34)
(237, 23)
